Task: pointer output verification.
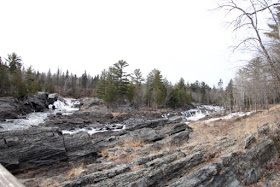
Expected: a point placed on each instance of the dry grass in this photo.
(115, 114)
(75, 171)
(49, 183)
(134, 144)
(238, 128)
(119, 155)
(207, 136)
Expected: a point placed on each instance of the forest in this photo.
(114, 85)
(255, 85)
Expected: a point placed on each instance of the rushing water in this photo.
(66, 107)
(197, 113)
(91, 130)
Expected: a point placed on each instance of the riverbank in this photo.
(237, 151)
(146, 148)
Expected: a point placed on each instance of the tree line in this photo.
(19, 82)
(114, 85)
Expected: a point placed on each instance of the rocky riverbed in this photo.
(145, 148)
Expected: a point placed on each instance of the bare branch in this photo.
(265, 8)
(249, 17)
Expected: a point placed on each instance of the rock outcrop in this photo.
(31, 148)
(11, 108)
(158, 152)
(37, 146)
(236, 168)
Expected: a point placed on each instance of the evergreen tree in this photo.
(84, 80)
(179, 95)
(4, 80)
(101, 85)
(49, 83)
(138, 95)
(111, 90)
(19, 89)
(17, 86)
(30, 81)
(14, 62)
(131, 92)
(155, 90)
(149, 88)
(121, 79)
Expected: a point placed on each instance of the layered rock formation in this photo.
(11, 108)
(159, 152)
(37, 146)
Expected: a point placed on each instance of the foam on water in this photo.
(66, 107)
(92, 131)
(32, 119)
(200, 112)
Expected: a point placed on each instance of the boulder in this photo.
(79, 146)
(36, 103)
(52, 98)
(9, 108)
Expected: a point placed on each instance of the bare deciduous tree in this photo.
(248, 16)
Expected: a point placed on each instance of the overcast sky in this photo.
(180, 38)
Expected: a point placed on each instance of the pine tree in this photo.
(121, 79)
(111, 90)
(138, 95)
(30, 82)
(101, 85)
(49, 83)
(14, 62)
(84, 80)
(155, 90)
(4, 80)
(131, 94)
(179, 95)
(19, 89)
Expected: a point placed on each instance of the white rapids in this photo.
(66, 107)
(92, 131)
(197, 113)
